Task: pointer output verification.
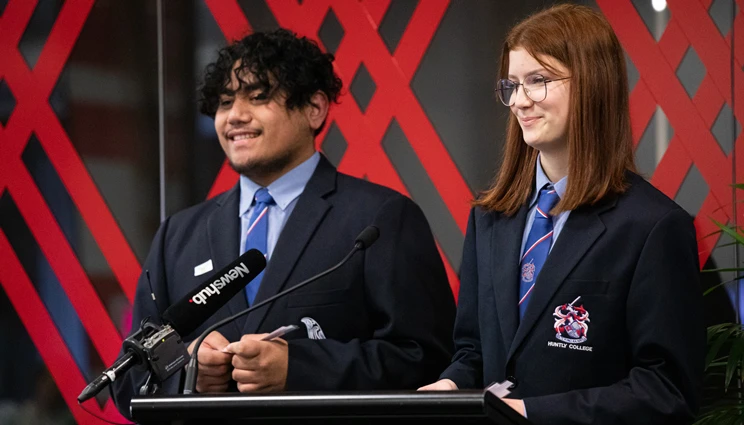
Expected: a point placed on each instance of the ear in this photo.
(317, 111)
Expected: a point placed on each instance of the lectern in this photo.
(429, 407)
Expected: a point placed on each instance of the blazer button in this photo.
(514, 382)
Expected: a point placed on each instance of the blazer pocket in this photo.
(584, 287)
(316, 299)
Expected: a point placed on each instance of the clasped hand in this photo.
(254, 364)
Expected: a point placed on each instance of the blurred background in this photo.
(100, 139)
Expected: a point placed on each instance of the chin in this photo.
(242, 165)
(533, 142)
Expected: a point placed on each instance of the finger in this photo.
(242, 376)
(441, 385)
(249, 388)
(208, 356)
(246, 347)
(246, 363)
(230, 348)
(215, 340)
(221, 370)
(213, 380)
(211, 388)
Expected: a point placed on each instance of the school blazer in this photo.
(631, 263)
(386, 316)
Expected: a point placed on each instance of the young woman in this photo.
(579, 280)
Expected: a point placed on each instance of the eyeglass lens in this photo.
(534, 86)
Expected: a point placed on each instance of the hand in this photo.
(515, 404)
(440, 385)
(214, 365)
(259, 365)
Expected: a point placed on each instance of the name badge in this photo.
(203, 268)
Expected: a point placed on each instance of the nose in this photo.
(521, 100)
(240, 112)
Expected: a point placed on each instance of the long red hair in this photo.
(599, 136)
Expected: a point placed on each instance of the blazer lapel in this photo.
(223, 236)
(300, 226)
(582, 228)
(505, 270)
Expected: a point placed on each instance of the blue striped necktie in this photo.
(538, 245)
(256, 236)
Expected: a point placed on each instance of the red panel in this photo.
(673, 44)
(33, 114)
(693, 143)
(45, 336)
(642, 109)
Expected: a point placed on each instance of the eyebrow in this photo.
(244, 88)
(251, 87)
(536, 71)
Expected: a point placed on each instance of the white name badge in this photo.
(203, 268)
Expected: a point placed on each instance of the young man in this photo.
(382, 321)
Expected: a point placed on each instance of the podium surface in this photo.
(425, 407)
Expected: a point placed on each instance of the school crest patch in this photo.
(571, 323)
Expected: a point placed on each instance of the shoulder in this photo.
(202, 210)
(483, 218)
(642, 207)
(642, 198)
(359, 191)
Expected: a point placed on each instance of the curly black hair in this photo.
(280, 62)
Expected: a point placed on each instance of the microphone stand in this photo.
(193, 366)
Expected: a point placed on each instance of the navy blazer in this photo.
(387, 314)
(633, 260)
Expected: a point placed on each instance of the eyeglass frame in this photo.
(526, 92)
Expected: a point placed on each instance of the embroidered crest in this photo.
(571, 323)
(528, 271)
(314, 330)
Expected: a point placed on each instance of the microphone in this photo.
(161, 347)
(366, 238)
(203, 301)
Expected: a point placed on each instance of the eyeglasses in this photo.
(535, 87)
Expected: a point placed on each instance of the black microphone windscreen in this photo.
(368, 236)
(200, 304)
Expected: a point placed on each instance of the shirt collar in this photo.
(284, 190)
(541, 179)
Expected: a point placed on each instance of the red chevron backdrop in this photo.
(693, 143)
(690, 27)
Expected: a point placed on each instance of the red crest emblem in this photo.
(571, 322)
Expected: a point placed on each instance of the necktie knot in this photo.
(264, 197)
(546, 201)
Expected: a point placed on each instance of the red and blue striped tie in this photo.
(258, 227)
(538, 245)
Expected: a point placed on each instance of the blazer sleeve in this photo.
(407, 292)
(128, 385)
(666, 336)
(466, 369)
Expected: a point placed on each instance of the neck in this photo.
(555, 165)
(264, 176)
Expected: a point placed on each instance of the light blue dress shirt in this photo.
(558, 221)
(285, 190)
